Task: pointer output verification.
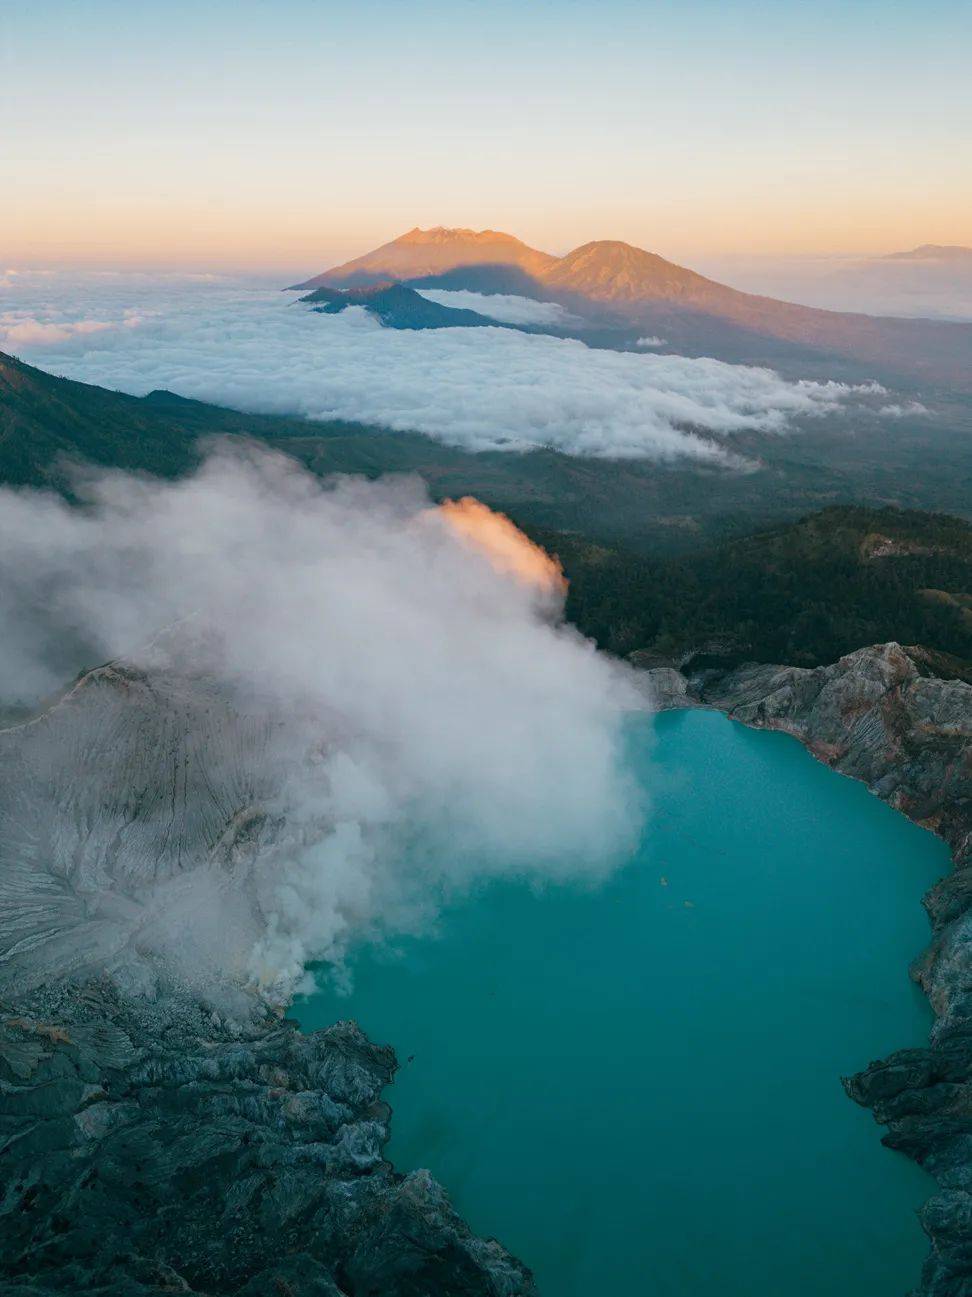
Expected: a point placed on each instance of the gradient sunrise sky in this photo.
(296, 133)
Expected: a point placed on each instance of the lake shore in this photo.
(878, 717)
(259, 1149)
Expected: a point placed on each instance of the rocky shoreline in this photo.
(153, 1143)
(877, 716)
(166, 1153)
(158, 1137)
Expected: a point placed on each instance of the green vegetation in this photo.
(804, 593)
(651, 509)
(47, 421)
(662, 560)
(49, 424)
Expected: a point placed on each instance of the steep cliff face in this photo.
(875, 717)
(164, 1130)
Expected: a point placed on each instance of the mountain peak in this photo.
(608, 270)
(609, 247)
(420, 254)
(454, 234)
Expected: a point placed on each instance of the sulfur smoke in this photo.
(426, 719)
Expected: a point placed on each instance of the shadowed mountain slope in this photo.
(47, 423)
(616, 287)
(421, 253)
(45, 420)
(396, 306)
(634, 283)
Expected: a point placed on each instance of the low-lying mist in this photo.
(415, 717)
(480, 389)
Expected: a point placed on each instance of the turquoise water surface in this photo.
(637, 1088)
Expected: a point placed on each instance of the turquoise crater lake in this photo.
(636, 1087)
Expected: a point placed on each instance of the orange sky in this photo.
(297, 135)
(179, 233)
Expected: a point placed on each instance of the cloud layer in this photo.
(507, 307)
(478, 389)
(426, 720)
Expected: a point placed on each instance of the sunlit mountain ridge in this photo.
(614, 286)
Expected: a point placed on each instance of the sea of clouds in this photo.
(249, 346)
(432, 721)
(506, 307)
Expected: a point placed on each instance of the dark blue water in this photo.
(636, 1088)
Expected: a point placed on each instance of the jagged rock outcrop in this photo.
(876, 717)
(152, 1150)
(159, 1134)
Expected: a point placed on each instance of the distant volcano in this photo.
(620, 292)
(420, 254)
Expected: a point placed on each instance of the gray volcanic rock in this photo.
(874, 716)
(154, 1149)
(159, 1135)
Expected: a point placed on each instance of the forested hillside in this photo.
(661, 561)
(804, 593)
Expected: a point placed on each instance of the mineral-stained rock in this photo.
(875, 716)
(153, 1139)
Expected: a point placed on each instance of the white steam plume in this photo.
(416, 717)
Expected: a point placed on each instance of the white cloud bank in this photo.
(424, 720)
(506, 307)
(44, 333)
(903, 410)
(478, 389)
